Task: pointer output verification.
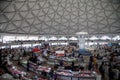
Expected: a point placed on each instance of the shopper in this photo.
(4, 66)
(116, 73)
(61, 63)
(28, 65)
(51, 73)
(90, 65)
(73, 66)
(102, 70)
(55, 76)
(110, 73)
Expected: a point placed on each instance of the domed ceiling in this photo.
(60, 17)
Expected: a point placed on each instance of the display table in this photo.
(39, 70)
(18, 73)
(43, 69)
(63, 74)
(70, 75)
(60, 53)
(6, 75)
(52, 63)
(66, 59)
(35, 67)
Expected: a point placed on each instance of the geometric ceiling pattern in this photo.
(60, 17)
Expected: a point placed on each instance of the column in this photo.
(81, 39)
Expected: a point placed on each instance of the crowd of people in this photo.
(105, 60)
(110, 61)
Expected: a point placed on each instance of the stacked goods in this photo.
(60, 53)
(65, 72)
(43, 68)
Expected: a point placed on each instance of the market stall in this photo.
(71, 75)
(38, 69)
(16, 73)
(64, 74)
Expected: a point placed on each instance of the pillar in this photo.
(81, 39)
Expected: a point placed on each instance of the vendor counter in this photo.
(70, 75)
(25, 75)
(34, 67)
(16, 73)
(62, 73)
(66, 59)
